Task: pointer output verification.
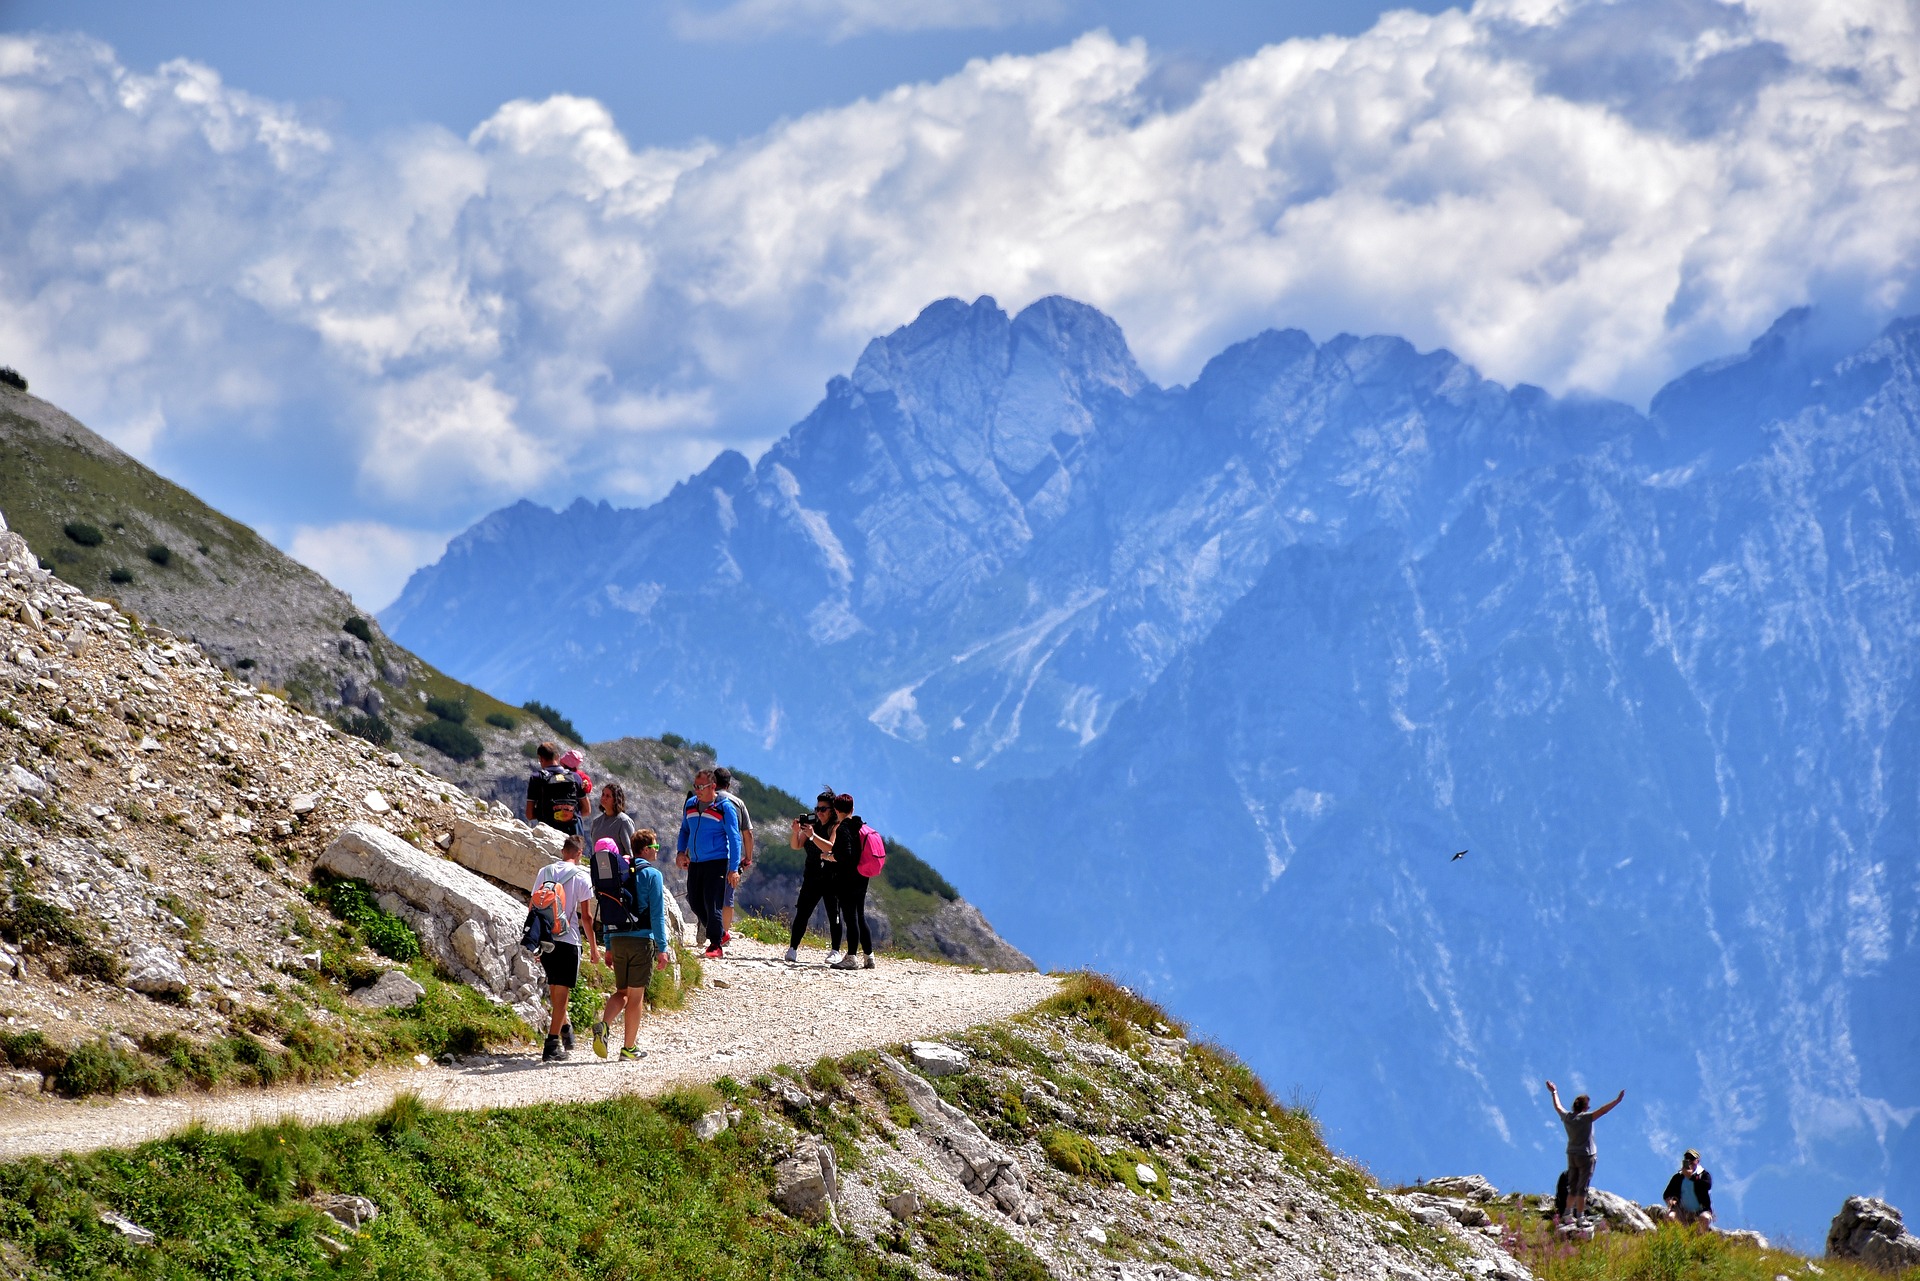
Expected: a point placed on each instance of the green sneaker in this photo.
(628, 1054)
(600, 1039)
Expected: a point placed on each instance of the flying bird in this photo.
(1457, 857)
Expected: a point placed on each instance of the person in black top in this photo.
(553, 793)
(1689, 1194)
(849, 884)
(816, 880)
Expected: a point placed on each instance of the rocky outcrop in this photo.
(1621, 1214)
(983, 1169)
(1869, 1230)
(504, 849)
(807, 1182)
(463, 922)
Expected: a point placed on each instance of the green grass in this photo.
(608, 1190)
(1672, 1253)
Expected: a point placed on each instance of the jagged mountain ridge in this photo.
(992, 534)
(1261, 560)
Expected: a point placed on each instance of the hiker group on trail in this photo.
(606, 894)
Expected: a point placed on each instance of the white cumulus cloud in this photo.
(1585, 195)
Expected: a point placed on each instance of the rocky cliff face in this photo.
(1246, 661)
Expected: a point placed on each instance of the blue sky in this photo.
(360, 273)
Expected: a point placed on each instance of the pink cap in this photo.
(571, 760)
(606, 845)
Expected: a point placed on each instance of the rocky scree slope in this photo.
(160, 822)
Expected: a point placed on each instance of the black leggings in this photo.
(816, 890)
(853, 907)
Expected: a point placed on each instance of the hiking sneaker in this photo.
(629, 1054)
(566, 1035)
(712, 954)
(600, 1039)
(868, 963)
(553, 1053)
(793, 955)
(833, 958)
(848, 962)
(726, 939)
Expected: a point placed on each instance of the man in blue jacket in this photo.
(709, 850)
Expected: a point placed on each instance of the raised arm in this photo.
(1600, 1112)
(1555, 1096)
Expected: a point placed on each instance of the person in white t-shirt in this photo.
(566, 890)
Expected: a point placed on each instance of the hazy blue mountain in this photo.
(1205, 684)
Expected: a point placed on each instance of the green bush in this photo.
(13, 377)
(555, 721)
(84, 534)
(448, 709)
(368, 725)
(1073, 1153)
(119, 574)
(500, 720)
(160, 554)
(352, 901)
(95, 1067)
(358, 626)
(450, 739)
(908, 871)
(673, 740)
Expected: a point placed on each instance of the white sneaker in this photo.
(833, 957)
(793, 954)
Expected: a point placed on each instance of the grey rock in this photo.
(22, 1081)
(155, 970)
(1747, 1236)
(393, 990)
(1873, 1232)
(26, 782)
(710, 1124)
(1621, 1214)
(350, 1212)
(981, 1167)
(437, 897)
(128, 1228)
(303, 804)
(1474, 1186)
(935, 1058)
(904, 1205)
(805, 1183)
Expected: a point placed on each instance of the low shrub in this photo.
(368, 725)
(450, 739)
(448, 709)
(84, 534)
(1112, 1010)
(908, 871)
(120, 574)
(13, 377)
(160, 554)
(1074, 1153)
(673, 740)
(500, 720)
(358, 626)
(352, 901)
(555, 721)
(95, 1067)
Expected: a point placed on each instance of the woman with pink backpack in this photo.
(859, 855)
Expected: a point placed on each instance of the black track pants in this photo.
(853, 909)
(706, 894)
(816, 890)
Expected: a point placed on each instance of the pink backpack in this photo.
(873, 853)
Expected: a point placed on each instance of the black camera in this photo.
(805, 820)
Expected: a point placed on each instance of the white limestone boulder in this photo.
(439, 898)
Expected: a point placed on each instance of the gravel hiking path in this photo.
(767, 1013)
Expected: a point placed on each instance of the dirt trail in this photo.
(768, 1013)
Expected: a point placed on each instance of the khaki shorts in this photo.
(632, 960)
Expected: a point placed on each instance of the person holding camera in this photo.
(816, 882)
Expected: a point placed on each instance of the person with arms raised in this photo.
(1582, 1153)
